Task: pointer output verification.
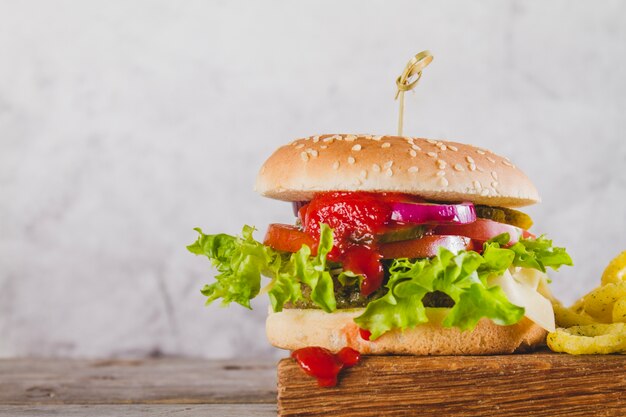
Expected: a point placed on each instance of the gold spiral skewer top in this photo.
(408, 80)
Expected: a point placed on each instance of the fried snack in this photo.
(596, 323)
(619, 311)
(590, 339)
(616, 270)
(599, 302)
(565, 317)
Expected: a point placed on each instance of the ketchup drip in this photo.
(364, 260)
(356, 218)
(365, 334)
(323, 365)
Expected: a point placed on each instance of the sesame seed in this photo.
(441, 164)
(479, 169)
(363, 174)
(300, 146)
(472, 167)
(484, 192)
(304, 156)
(443, 182)
(477, 185)
(490, 159)
(412, 153)
(329, 139)
(480, 151)
(385, 145)
(316, 139)
(336, 165)
(494, 184)
(368, 137)
(469, 159)
(388, 164)
(458, 167)
(376, 168)
(305, 138)
(324, 147)
(507, 163)
(337, 137)
(442, 147)
(356, 147)
(417, 148)
(432, 154)
(494, 175)
(413, 169)
(377, 138)
(350, 138)
(351, 160)
(441, 173)
(433, 142)
(389, 172)
(313, 152)
(453, 148)
(410, 140)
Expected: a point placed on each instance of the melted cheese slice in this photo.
(521, 290)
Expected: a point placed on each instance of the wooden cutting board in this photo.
(538, 384)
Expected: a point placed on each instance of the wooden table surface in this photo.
(147, 387)
(542, 383)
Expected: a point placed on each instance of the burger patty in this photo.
(351, 297)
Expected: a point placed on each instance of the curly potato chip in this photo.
(590, 339)
(596, 323)
(599, 302)
(616, 270)
(619, 311)
(565, 317)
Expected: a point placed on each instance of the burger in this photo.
(399, 245)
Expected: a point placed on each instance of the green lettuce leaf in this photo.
(463, 277)
(478, 301)
(313, 272)
(241, 261)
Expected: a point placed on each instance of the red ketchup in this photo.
(365, 334)
(356, 218)
(365, 261)
(324, 365)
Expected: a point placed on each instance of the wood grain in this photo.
(152, 381)
(540, 384)
(194, 410)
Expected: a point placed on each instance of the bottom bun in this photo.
(294, 329)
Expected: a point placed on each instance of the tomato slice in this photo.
(481, 229)
(288, 238)
(425, 247)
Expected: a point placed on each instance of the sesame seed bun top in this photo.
(435, 170)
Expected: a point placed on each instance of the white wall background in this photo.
(123, 124)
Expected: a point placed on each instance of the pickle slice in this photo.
(403, 233)
(505, 215)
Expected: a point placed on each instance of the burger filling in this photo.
(394, 255)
